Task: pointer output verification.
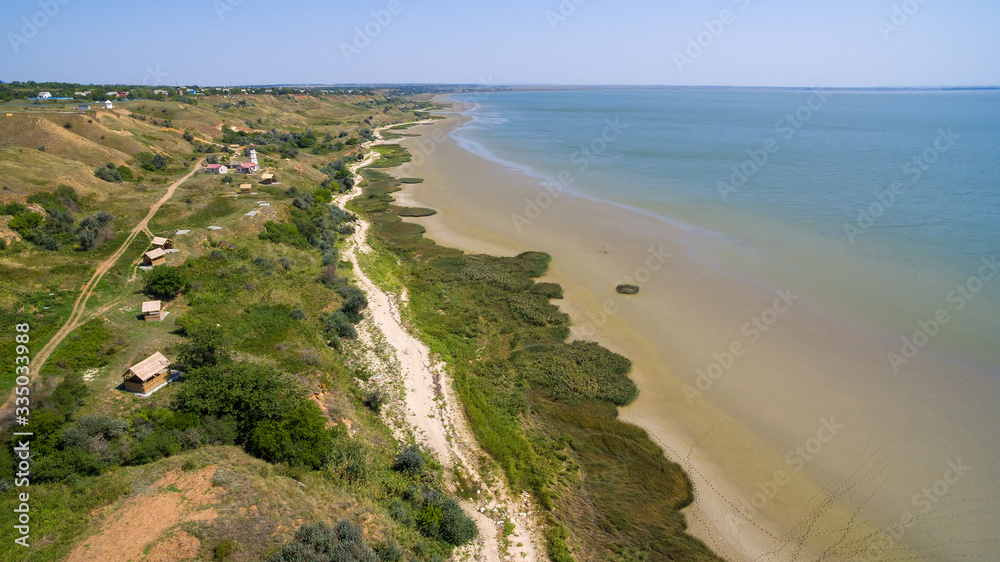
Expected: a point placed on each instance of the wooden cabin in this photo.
(152, 311)
(148, 375)
(246, 188)
(268, 178)
(154, 257)
(164, 243)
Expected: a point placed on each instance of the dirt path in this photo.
(434, 413)
(76, 315)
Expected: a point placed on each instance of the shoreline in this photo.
(855, 486)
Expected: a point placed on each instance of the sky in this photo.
(798, 43)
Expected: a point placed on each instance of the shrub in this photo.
(409, 460)
(94, 230)
(319, 542)
(164, 282)
(109, 173)
(373, 400)
(224, 549)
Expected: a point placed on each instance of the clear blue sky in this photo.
(766, 42)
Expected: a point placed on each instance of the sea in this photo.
(880, 208)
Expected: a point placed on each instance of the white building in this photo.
(44, 95)
(108, 105)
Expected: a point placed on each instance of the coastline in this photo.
(805, 375)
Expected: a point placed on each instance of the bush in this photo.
(409, 460)
(224, 549)
(373, 400)
(94, 230)
(320, 543)
(164, 282)
(109, 173)
(299, 439)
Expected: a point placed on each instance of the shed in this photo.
(164, 243)
(148, 375)
(154, 257)
(245, 188)
(152, 311)
(108, 105)
(267, 178)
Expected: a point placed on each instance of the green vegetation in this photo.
(544, 408)
(627, 289)
(109, 173)
(321, 542)
(261, 323)
(164, 282)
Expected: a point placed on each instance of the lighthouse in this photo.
(253, 157)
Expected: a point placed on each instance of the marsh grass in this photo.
(543, 407)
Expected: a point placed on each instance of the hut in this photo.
(245, 188)
(152, 311)
(108, 105)
(268, 178)
(154, 257)
(164, 243)
(148, 375)
(216, 169)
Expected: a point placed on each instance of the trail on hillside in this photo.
(431, 410)
(80, 305)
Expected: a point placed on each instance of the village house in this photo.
(154, 257)
(152, 311)
(247, 167)
(164, 243)
(44, 95)
(216, 169)
(148, 375)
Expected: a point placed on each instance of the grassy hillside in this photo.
(221, 484)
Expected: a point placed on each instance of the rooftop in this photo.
(150, 366)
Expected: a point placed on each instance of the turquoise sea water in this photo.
(880, 207)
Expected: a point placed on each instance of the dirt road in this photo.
(79, 307)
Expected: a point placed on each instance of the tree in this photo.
(188, 136)
(164, 282)
(300, 438)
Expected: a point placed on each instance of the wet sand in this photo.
(800, 440)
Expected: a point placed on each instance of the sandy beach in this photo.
(801, 444)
